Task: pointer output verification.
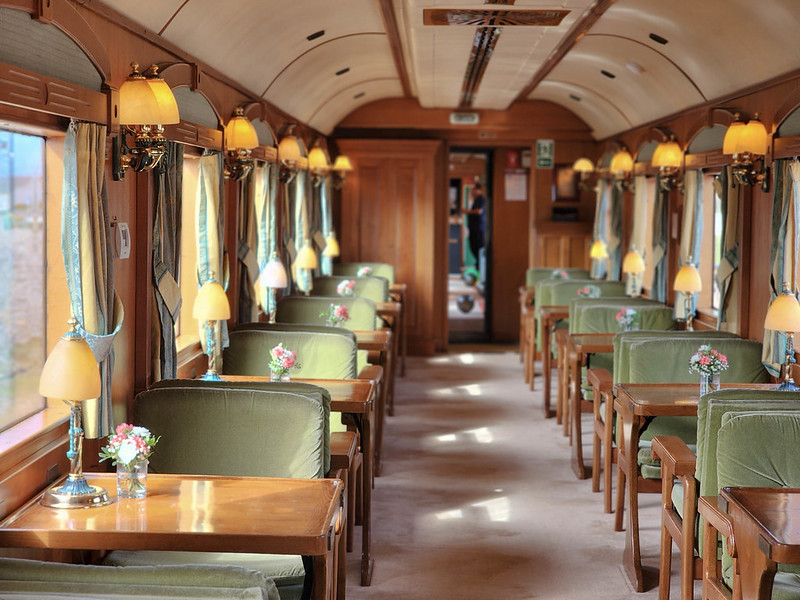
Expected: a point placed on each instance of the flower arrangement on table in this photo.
(628, 318)
(281, 361)
(346, 287)
(128, 448)
(559, 274)
(590, 291)
(364, 271)
(707, 361)
(335, 315)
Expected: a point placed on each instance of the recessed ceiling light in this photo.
(657, 38)
(343, 71)
(634, 67)
(316, 35)
(574, 97)
(359, 95)
(608, 74)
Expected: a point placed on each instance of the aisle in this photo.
(477, 499)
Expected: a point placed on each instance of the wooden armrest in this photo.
(372, 372)
(716, 517)
(599, 379)
(676, 458)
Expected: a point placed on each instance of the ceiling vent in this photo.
(493, 17)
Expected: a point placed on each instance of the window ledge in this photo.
(27, 436)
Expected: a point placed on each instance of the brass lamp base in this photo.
(75, 493)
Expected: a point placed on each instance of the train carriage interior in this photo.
(392, 299)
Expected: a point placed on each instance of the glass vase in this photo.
(132, 479)
(279, 376)
(709, 383)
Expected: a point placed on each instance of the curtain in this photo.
(209, 225)
(728, 277)
(614, 241)
(263, 201)
(326, 224)
(247, 247)
(691, 233)
(658, 287)
(633, 283)
(599, 266)
(166, 258)
(300, 193)
(785, 242)
(88, 261)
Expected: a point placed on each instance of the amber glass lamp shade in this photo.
(622, 163)
(167, 106)
(70, 372)
(598, 250)
(753, 138)
(667, 155)
(289, 150)
(240, 133)
(783, 313)
(583, 165)
(138, 104)
(633, 263)
(688, 279)
(211, 303)
(317, 161)
(342, 164)
(273, 275)
(306, 258)
(731, 140)
(331, 246)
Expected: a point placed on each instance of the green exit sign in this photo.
(545, 153)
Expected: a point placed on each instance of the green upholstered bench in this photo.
(536, 274)
(374, 288)
(379, 269)
(307, 309)
(28, 579)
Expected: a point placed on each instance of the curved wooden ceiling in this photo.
(375, 49)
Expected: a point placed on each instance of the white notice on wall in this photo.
(517, 185)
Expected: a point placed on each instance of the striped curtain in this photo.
(302, 228)
(599, 266)
(264, 191)
(88, 260)
(166, 257)
(614, 241)
(633, 283)
(658, 287)
(246, 251)
(326, 224)
(783, 253)
(728, 276)
(691, 233)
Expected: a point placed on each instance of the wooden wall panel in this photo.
(389, 211)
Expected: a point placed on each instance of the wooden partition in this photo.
(562, 244)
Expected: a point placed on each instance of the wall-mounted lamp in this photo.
(211, 305)
(331, 249)
(306, 258)
(668, 157)
(340, 169)
(240, 139)
(290, 158)
(747, 143)
(598, 250)
(633, 266)
(273, 277)
(688, 282)
(621, 168)
(318, 165)
(584, 168)
(784, 316)
(146, 104)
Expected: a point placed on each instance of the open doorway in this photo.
(469, 245)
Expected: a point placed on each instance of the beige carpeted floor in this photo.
(477, 499)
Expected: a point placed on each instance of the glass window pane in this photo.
(22, 264)
(718, 226)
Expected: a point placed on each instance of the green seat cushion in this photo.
(307, 310)
(598, 315)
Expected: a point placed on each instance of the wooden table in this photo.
(766, 527)
(397, 291)
(580, 347)
(200, 513)
(355, 398)
(550, 316)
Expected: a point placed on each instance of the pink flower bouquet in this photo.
(364, 271)
(282, 360)
(335, 315)
(629, 318)
(707, 361)
(129, 444)
(346, 287)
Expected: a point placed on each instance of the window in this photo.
(716, 300)
(186, 328)
(649, 262)
(23, 269)
(711, 245)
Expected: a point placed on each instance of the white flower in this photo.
(127, 451)
(142, 432)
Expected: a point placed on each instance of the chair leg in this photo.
(620, 508)
(665, 564)
(597, 449)
(688, 538)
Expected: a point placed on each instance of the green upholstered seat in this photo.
(307, 310)
(536, 274)
(384, 270)
(244, 432)
(598, 315)
(22, 578)
(374, 288)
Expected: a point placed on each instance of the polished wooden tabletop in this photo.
(775, 512)
(388, 309)
(347, 395)
(591, 343)
(378, 340)
(672, 399)
(188, 512)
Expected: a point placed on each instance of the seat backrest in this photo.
(307, 309)
(239, 432)
(314, 392)
(384, 270)
(598, 315)
(322, 352)
(623, 339)
(537, 274)
(374, 288)
(666, 360)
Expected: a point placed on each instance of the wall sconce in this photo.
(747, 143)
(71, 374)
(633, 266)
(598, 250)
(240, 139)
(340, 169)
(688, 282)
(784, 316)
(289, 157)
(331, 249)
(273, 277)
(211, 305)
(318, 165)
(622, 168)
(146, 103)
(668, 157)
(584, 167)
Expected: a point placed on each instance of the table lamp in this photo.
(633, 266)
(688, 282)
(211, 305)
(273, 276)
(784, 316)
(71, 374)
